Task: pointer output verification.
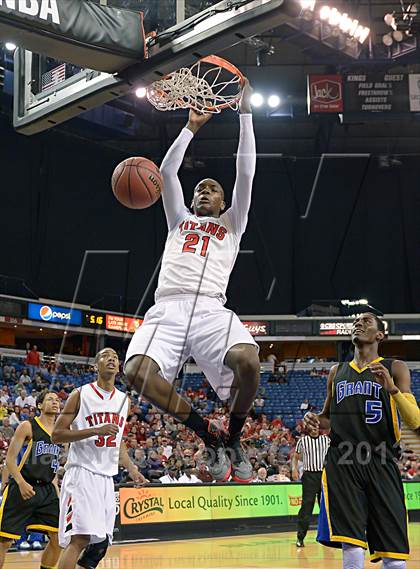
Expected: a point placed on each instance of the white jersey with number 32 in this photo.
(99, 454)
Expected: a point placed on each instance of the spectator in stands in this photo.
(167, 449)
(259, 403)
(3, 412)
(33, 360)
(297, 431)
(15, 419)
(314, 372)
(284, 448)
(305, 406)
(63, 395)
(203, 474)
(154, 465)
(140, 461)
(201, 454)
(31, 399)
(265, 430)
(25, 414)
(22, 399)
(171, 476)
(39, 383)
(141, 434)
(4, 444)
(282, 475)
(169, 424)
(6, 429)
(272, 359)
(7, 372)
(131, 443)
(261, 475)
(5, 398)
(189, 477)
(24, 378)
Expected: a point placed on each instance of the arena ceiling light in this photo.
(257, 100)
(404, 23)
(141, 92)
(337, 20)
(357, 302)
(273, 101)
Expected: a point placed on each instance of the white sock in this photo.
(354, 557)
(393, 564)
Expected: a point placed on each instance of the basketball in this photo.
(137, 183)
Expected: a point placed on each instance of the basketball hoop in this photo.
(209, 86)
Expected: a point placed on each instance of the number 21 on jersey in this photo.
(195, 243)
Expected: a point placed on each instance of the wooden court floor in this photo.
(271, 551)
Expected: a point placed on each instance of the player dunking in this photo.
(30, 500)
(93, 422)
(188, 318)
(362, 502)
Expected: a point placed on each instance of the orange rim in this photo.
(220, 62)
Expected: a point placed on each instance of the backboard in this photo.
(48, 92)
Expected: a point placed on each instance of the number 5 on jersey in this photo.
(192, 241)
(373, 410)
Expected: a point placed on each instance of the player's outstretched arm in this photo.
(62, 433)
(172, 195)
(245, 163)
(22, 434)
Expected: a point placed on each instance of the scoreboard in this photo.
(376, 92)
(93, 320)
(365, 92)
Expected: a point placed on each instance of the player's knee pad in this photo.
(393, 564)
(93, 554)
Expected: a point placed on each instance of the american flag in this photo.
(53, 77)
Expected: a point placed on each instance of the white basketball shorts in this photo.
(179, 327)
(87, 506)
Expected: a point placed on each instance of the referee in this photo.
(312, 449)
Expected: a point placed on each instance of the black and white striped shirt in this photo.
(313, 451)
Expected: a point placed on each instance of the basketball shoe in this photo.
(218, 461)
(241, 466)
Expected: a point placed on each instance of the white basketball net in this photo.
(196, 88)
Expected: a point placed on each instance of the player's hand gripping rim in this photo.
(245, 101)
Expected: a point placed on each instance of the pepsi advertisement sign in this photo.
(54, 314)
